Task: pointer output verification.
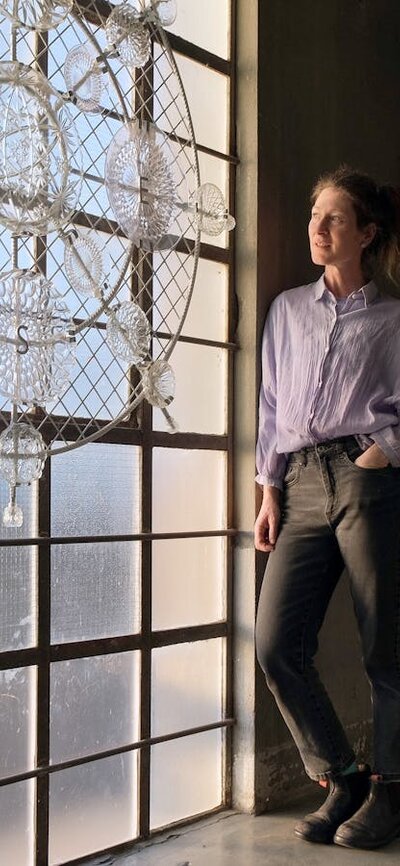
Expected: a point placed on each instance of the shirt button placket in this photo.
(321, 371)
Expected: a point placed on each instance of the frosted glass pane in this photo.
(186, 777)
(17, 824)
(18, 597)
(208, 311)
(187, 684)
(94, 705)
(207, 92)
(96, 490)
(93, 807)
(200, 401)
(189, 577)
(17, 720)
(206, 24)
(27, 499)
(194, 483)
(95, 590)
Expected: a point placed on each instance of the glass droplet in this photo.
(13, 516)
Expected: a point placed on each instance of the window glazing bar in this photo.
(41, 772)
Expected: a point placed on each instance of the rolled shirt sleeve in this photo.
(388, 440)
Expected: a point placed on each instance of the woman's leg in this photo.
(369, 538)
(300, 578)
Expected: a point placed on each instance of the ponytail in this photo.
(385, 254)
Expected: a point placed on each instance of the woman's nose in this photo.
(322, 225)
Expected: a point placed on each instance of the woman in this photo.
(328, 458)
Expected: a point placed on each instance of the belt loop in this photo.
(304, 456)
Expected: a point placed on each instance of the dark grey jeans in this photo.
(334, 514)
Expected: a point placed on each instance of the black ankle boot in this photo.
(346, 794)
(378, 820)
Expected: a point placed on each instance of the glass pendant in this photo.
(129, 333)
(36, 348)
(126, 34)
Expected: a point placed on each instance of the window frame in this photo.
(44, 654)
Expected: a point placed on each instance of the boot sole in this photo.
(306, 838)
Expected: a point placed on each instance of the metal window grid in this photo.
(129, 432)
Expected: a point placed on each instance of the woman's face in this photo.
(335, 238)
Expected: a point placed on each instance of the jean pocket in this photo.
(292, 474)
(350, 456)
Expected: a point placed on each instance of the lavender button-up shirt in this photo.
(330, 368)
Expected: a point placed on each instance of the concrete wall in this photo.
(325, 89)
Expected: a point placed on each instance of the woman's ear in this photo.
(369, 234)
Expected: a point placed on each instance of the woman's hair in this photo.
(372, 204)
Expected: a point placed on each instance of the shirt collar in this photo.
(368, 292)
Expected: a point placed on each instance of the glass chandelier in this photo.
(99, 194)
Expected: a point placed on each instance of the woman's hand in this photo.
(266, 527)
(372, 458)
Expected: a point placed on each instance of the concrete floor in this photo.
(232, 839)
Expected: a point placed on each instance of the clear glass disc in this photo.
(128, 333)
(36, 355)
(158, 382)
(127, 34)
(210, 210)
(36, 14)
(141, 185)
(40, 160)
(166, 11)
(83, 78)
(84, 266)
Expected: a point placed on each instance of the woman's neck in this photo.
(343, 281)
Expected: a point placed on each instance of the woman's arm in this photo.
(271, 466)
(267, 524)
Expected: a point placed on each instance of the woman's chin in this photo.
(320, 257)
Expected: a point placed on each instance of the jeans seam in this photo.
(326, 726)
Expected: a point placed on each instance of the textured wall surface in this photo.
(328, 91)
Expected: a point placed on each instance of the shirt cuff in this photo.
(389, 447)
(269, 481)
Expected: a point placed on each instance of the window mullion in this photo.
(43, 678)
